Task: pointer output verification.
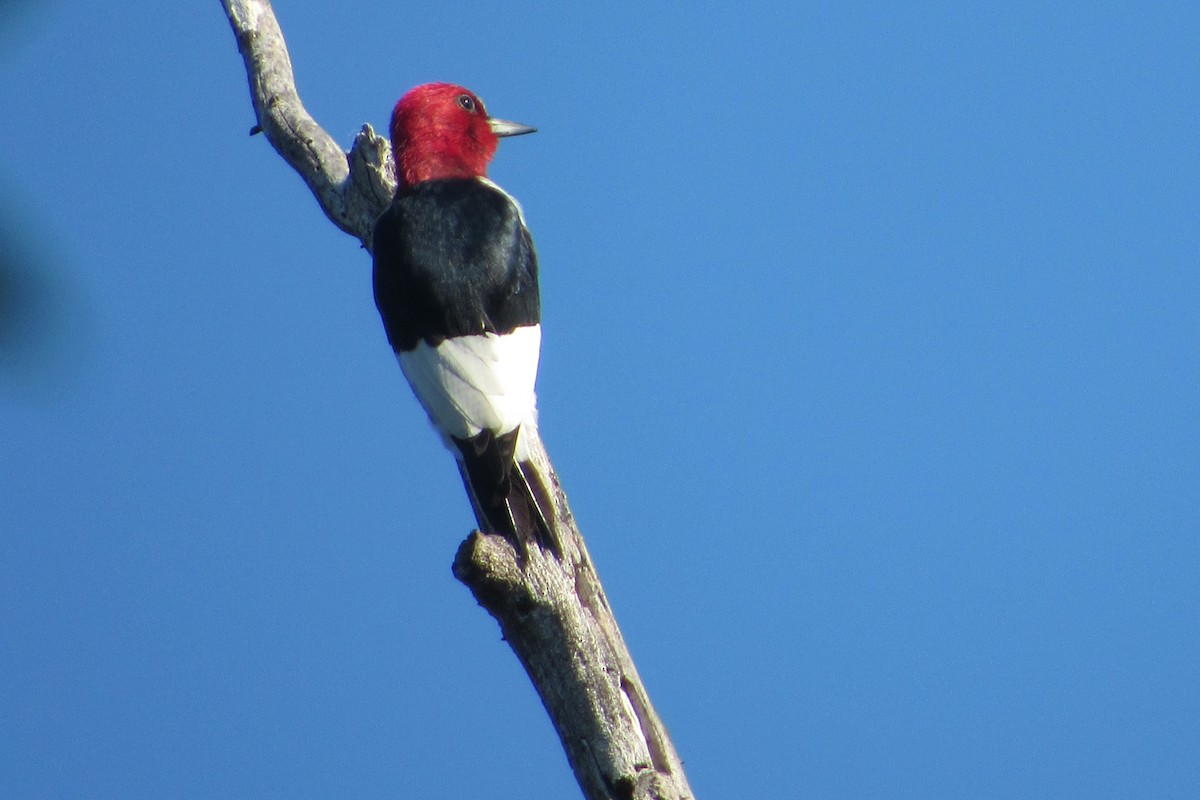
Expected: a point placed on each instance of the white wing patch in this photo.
(470, 383)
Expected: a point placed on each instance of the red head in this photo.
(440, 130)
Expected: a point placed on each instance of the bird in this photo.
(455, 280)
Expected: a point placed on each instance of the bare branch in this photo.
(556, 617)
(352, 191)
(552, 609)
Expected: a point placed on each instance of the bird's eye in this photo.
(467, 102)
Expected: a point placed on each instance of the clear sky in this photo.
(870, 365)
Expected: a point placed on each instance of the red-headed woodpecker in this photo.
(456, 283)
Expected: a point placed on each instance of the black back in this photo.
(452, 258)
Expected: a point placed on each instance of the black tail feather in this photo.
(541, 504)
(540, 507)
(508, 497)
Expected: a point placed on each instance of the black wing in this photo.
(453, 258)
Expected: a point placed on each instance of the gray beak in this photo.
(502, 127)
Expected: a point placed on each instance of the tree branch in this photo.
(353, 189)
(550, 604)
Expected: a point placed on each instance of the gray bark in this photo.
(549, 603)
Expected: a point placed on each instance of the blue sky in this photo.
(870, 367)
